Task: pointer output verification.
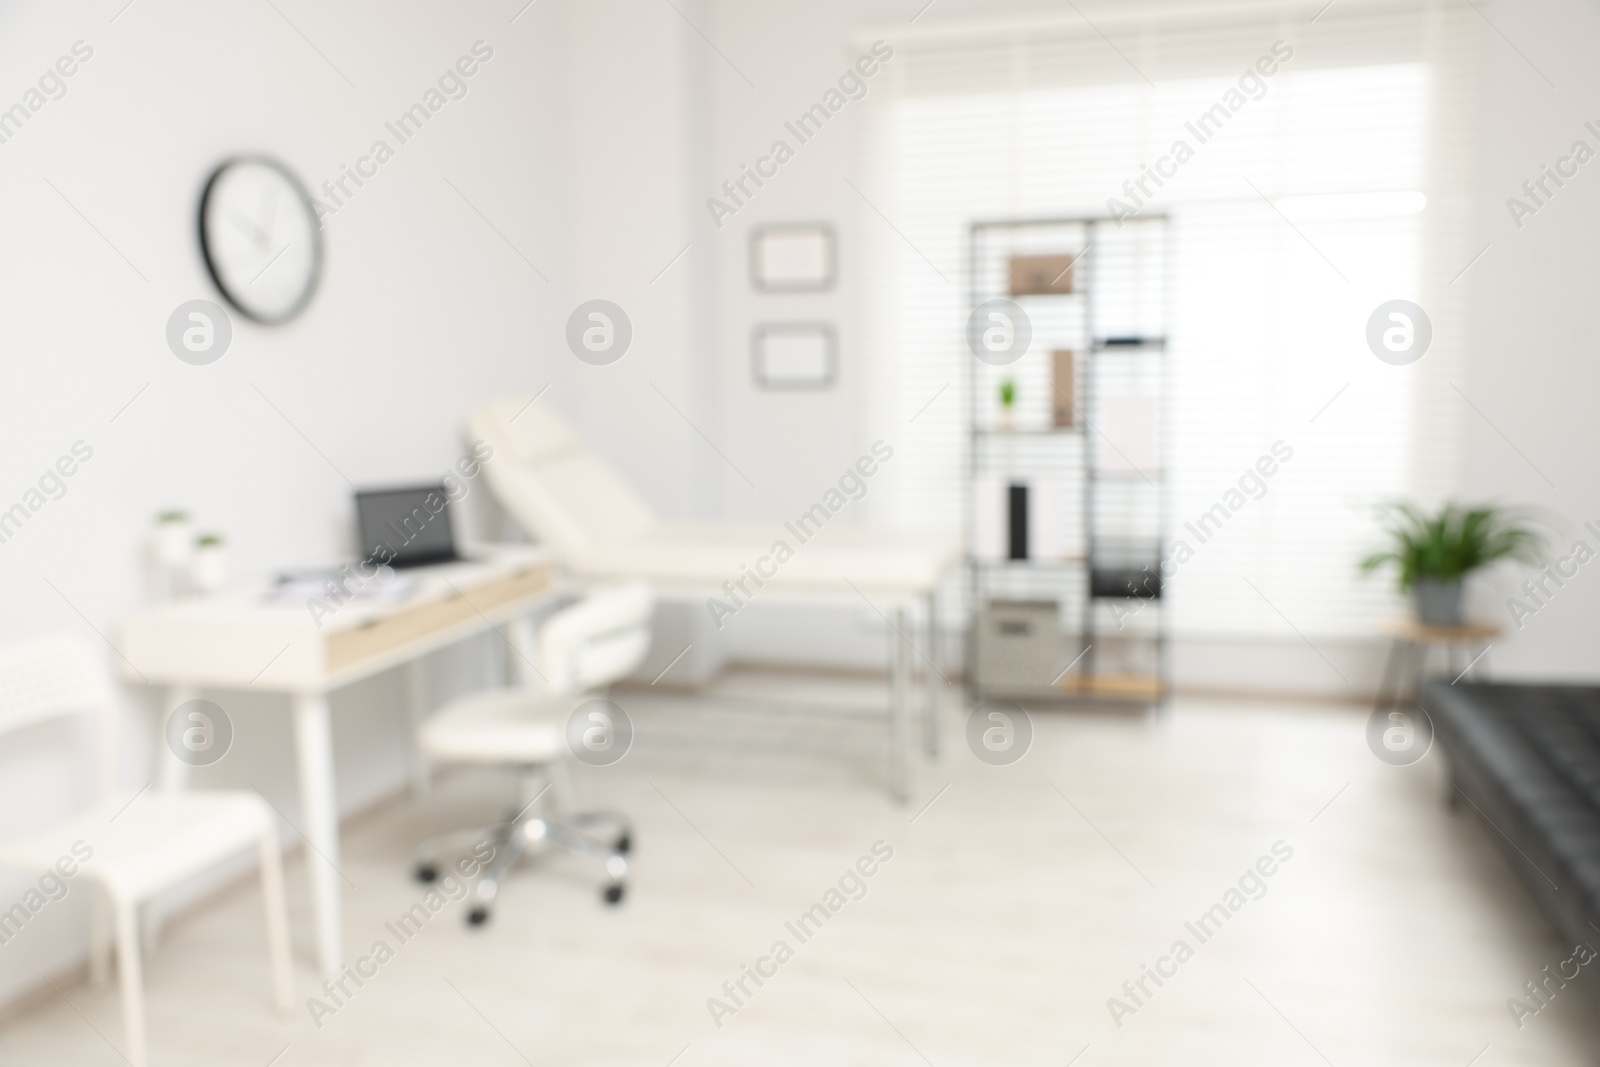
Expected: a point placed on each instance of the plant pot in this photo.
(208, 568)
(1438, 602)
(173, 542)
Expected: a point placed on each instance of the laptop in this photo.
(410, 524)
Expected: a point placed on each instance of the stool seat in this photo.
(1411, 639)
(1410, 628)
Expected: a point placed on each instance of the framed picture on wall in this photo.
(793, 257)
(795, 355)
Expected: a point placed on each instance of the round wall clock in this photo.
(260, 238)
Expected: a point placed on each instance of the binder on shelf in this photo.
(1063, 401)
(1017, 521)
(992, 526)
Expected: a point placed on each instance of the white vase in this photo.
(171, 545)
(208, 569)
(173, 542)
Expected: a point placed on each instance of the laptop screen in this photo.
(413, 524)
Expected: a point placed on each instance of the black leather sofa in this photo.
(1527, 757)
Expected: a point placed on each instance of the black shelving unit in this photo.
(1103, 575)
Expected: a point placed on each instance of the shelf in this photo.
(1060, 564)
(1056, 222)
(1130, 476)
(1126, 344)
(1118, 333)
(1137, 581)
(1115, 686)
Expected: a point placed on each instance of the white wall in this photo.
(1532, 366)
(633, 120)
(789, 445)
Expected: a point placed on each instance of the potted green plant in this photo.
(1434, 553)
(1008, 403)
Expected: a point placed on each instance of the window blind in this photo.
(1340, 184)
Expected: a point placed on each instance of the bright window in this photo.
(1336, 187)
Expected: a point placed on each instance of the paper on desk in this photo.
(300, 588)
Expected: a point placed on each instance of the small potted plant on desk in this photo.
(208, 566)
(1435, 553)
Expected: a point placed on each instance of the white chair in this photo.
(140, 843)
(581, 649)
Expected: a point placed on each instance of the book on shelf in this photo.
(1063, 401)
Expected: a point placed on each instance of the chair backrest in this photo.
(598, 640)
(564, 495)
(57, 677)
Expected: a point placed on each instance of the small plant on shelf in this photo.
(1008, 403)
(1434, 553)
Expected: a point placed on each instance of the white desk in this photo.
(241, 639)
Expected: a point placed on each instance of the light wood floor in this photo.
(1015, 904)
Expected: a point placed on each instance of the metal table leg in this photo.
(900, 741)
(1389, 687)
(1419, 669)
(933, 725)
